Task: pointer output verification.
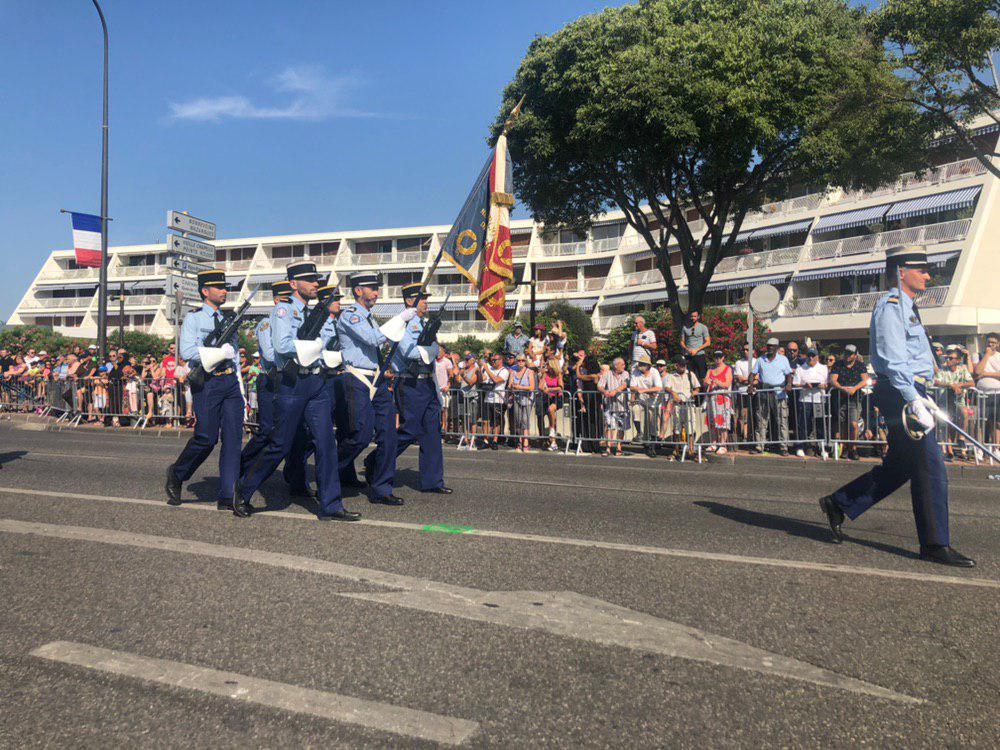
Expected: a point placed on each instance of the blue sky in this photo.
(267, 117)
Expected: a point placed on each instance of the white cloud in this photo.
(309, 94)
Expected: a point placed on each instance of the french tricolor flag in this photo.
(87, 239)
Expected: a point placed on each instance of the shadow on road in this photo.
(815, 531)
(9, 456)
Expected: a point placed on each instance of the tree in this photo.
(140, 344)
(942, 49)
(577, 324)
(23, 338)
(708, 106)
(467, 343)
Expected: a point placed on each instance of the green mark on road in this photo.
(445, 528)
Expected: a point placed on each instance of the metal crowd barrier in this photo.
(827, 422)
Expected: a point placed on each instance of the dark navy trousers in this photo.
(420, 414)
(298, 400)
(218, 406)
(295, 463)
(918, 461)
(361, 419)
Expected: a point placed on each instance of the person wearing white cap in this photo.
(904, 364)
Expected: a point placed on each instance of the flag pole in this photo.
(102, 302)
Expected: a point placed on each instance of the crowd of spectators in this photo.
(534, 395)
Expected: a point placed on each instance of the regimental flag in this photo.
(497, 275)
(87, 239)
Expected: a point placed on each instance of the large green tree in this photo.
(712, 105)
(942, 49)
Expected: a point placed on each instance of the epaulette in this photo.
(892, 300)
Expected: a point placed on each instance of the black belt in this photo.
(314, 370)
(331, 373)
(411, 376)
(219, 373)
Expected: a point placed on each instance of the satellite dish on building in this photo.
(764, 299)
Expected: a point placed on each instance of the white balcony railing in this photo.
(756, 261)
(72, 273)
(606, 245)
(956, 170)
(929, 234)
(854, 303)
(234, 265)
(788, 206)
(613, 321)
(555, 286)
(520, 251)
(52, 303)
(143, 300)
(372, 259)
(147, 270)
(466, 326)
(410, 256)
(440, 290)
(554, 249)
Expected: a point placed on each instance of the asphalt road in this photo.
(551, 600)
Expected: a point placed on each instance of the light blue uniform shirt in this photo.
(899, 345)
(407, 357)
(286, 319)
(360, 338)
(264, 344)
(773, 374)
(329, 331)
(196, 327)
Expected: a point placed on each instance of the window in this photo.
(608, 231)
(288, 251)
(410, 244)
(324, 249)
(365, 247)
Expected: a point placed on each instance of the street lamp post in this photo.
(102, 302)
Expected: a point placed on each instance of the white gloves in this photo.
(307, 352)
(332, 360)
(228, 351)
(922, 414)
(408, 314)
(212, 356)
(427, 354)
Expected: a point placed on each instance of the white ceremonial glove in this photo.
(307, 352)
(922, 414)
(395, 327)
(228, 351)
(427, 354)
(212, 356)
(408, 314)
(333, 360)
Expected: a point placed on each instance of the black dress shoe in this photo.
(304, 491)
(224, 503)
(442, 490)
(242, 508)
(834, 515)
(173, 487)
(387, 500)
(340, 515)
(946, 556)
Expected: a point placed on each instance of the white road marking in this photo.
(383, 717)
(772, 562)
(563, 613)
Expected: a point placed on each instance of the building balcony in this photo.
(767, 211)
(142, 300)
(54, 303)
(956, 170)
(410, 257)
(233, 265)
(441, 290)
(844, 304)
(64, 274)
(130, 271)
(520, 251)
(642, 278)
(370, 259)
(756, 261)
(558, 249)
(929, 234)
(465, 326)
(563, 286)
(613, 321)
(607, 245)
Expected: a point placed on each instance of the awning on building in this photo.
(577, 263)
(587, 304)
(158, 285)
(88, 285)
(780, 230)
(774, 278)
(265, 278)
(656, 294)
(855, 218)
(985, 130)
(930, 204)
(868, 269)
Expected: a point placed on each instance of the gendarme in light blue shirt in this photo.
(195, 329)
(329, 332)
(773, 373)
(360, 337)
(264, 344)
(286, 319)
(899, 346)
(407, 357)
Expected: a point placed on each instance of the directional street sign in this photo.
(186, 266)
(187, 286)
(186, 306)
(191, 248)
(185, 223)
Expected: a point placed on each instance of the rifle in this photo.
(432, 325)
(309, 331)
(220, 336)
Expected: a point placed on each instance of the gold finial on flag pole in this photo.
(513, 114)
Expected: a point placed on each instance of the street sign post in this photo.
(188, 224)
(199, 251)
(187, 286)
(184, 265)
